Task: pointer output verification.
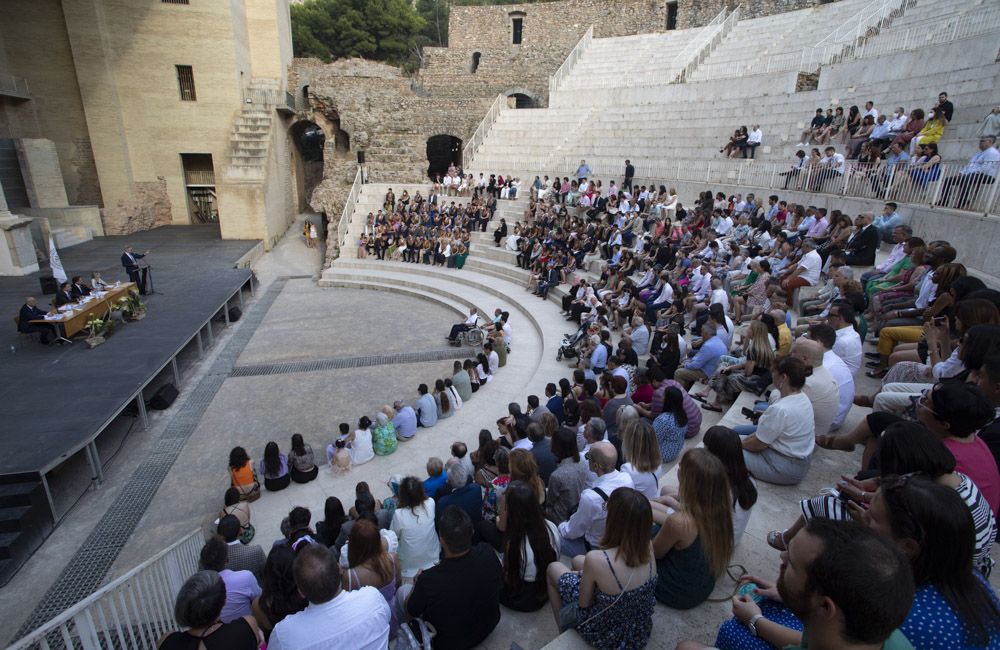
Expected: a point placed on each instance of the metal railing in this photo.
(349, 203)
(839, 45)
(942, 30)
(265, 96)
(942, 185)
(199, 177)
(133, 611)
(702, 44)
(571, 59)
(469, 152)
(11, 85)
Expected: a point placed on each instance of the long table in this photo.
(75, 321)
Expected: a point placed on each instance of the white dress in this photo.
(418, 541)
(361, 449)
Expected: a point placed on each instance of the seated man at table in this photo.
(78, 289)
(30, 312)
(65, 295)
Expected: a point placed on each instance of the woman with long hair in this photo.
(242, 475)
(671, 425)
(334, 517)
(274, 468)
(524, 468)
(302, 461)
(695, 541)
(279, 597)
(442, 400)
(725, 444)
(608, 594)
(530, 544)
(413, 523)
(371, 565)
(495, 488)
(641, 452)
(753, 373)
(240, 509)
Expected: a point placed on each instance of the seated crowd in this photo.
(895, 153)
(563, 504)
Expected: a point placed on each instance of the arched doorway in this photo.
(520, 100)
(442, 151)
(308, 141)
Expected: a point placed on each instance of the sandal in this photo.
(698, 397)
(863, 400)
(710, 407)
(877, 374)
(776, 540)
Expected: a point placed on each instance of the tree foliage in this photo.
(381, 30)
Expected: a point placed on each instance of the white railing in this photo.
(349, 203)
(133, 611)
(901, 183)
(469, 152)
(574, 55)
(839, 44)
(702, 44)
(941, 30)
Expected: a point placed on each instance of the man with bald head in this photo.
(585, 528)
(29, 312)
(820, 388)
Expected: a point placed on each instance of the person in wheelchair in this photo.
(465, 326)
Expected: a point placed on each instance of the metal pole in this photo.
(201, 348)
(48, 498)
(176, 371)
(96, 462)
(143, 414)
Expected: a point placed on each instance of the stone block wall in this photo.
(148, 207)
(550, 30)
(694, 13)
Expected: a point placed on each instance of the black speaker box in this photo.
(164, 397)
(235, 313)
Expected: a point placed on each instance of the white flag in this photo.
(57, 268)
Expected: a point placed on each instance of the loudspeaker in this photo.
(164, 397)
(234, 314)
(361, 157)
(49, 284)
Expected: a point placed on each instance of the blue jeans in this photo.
(745, 429)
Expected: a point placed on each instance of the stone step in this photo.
(66, 236)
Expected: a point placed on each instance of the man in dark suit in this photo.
(65, 295)
(861, 247)
(78, 288)
(131, 264)
(29, 312)
(629, 174)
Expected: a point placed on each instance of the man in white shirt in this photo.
(725, 225)
(820, 388)
(827, 337)
(492, 357)
(753, 141)
(585, 528)
(870, 110)
(898, 121)
(639, 334)
(806, 273)
(831, 166)
(334, 618)
(981, 170)
(848, 345)
(466, 325)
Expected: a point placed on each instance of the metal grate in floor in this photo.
(257, 370)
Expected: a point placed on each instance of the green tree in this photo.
(382, 30)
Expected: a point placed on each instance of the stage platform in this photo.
(56, 400)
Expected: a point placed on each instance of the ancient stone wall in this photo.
(694, 13)
(549, 32)
(147, 207)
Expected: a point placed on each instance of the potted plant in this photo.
(98, 329)
(133, 308)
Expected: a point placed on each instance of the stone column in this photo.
(17, 253)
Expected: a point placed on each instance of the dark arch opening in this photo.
(443, 151)
(476, 56)
(307, 159)
(522, 101)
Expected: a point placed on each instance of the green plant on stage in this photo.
(133, 307)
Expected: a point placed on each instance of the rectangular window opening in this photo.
(185, 80)
(518, 24)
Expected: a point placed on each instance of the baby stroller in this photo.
(570, 346)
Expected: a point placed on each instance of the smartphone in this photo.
(750, 589)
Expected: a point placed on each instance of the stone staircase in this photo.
(66, 236)
(250, 137)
